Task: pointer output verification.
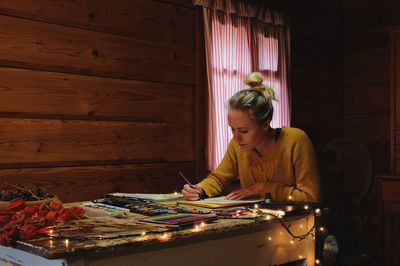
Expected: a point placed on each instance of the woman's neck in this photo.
(267, 143)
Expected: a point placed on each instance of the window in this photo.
(235, 47)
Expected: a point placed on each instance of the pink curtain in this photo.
(242, 38)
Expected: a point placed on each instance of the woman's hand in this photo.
(252, 191)
(192, 193)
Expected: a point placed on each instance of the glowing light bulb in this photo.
(321, 229)
(256, 206)
(164, 237)
(290, 198)
(306, 207)
(143, 233)
(317, 261)
(269, 238)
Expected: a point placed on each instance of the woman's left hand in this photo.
(244, 193)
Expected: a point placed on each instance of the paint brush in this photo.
(186, 180)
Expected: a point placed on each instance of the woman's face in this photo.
(246, 132)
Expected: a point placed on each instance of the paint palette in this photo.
(180, 219)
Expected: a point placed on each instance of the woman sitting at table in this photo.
(280, 161)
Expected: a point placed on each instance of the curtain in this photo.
(239, 39)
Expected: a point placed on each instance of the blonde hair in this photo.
(257, 100)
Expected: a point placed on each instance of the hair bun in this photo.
(254, 79)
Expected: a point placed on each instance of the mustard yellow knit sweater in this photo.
(290, 169)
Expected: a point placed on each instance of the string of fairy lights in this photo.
(260, 213)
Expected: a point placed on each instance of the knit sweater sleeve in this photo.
(216, 183)
(307, 180)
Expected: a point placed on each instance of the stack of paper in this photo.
(219, 202)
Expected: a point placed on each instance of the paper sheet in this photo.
(219, 202)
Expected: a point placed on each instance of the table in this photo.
(223, 242)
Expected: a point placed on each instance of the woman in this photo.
(280, 161)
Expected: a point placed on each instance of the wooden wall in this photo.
(97, 96)
(366, 66)
(366, 75)
(317, 94)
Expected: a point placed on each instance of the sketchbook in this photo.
(219, 202)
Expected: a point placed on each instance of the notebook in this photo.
(219, 202)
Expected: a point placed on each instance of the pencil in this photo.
(186, 180)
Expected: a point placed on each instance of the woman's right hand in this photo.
(192, 192)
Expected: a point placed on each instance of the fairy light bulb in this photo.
(255, 206)
(291, 242)
(321, 229)
(306, 207)
(202, 224)
(290, 198)
(317, 261)
(164, 237)
(269, 238)
(143, 233)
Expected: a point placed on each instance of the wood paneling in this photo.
(148, 20)
(44, 46)
(377, 97)
(316, 87)
(98, 96)
(41, 93)
(378, 60)
(91, 182)
(317, 83)
(366, 63)
(31, 141)
(390, 217)
(304, 109)
(311, 50)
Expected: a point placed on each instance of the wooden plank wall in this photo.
(366, 64)
(97, 96)
(317, 94)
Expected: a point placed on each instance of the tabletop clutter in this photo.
(119, 217)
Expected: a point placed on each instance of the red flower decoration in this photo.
(19, 221)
